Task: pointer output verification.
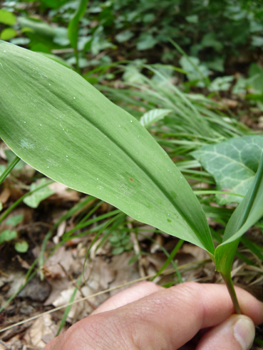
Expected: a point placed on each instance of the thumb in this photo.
(236, 333)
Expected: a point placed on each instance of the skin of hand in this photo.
(150, 317)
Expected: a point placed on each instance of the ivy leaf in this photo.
(233, 164)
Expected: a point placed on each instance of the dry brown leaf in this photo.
(63, 192)
(3, 148)
(16, 279)
(145, 231)
(157, 261)
(157, 244)
(260, 122)
(42, 328)
(123, 271)
(4, 195)
(197, 252)
(229, 103)
(52, 269)
(13, 344)
(78, 310)
(57, 286)
(60, 231)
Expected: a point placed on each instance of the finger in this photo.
(236, 333)
(129, 295)
(163, 320)
(138, 291)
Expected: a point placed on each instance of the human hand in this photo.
(147, 316)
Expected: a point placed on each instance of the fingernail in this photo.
(244, 332)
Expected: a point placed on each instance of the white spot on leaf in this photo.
(24, 143)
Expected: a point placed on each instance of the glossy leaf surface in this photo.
(58, 123)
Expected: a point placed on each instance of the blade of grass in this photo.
(73, 28)
(170, 258)
(68, 308)
(7, 171)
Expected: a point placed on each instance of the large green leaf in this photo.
(62, 126)
(233, 164)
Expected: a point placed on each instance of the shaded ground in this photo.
(54, 284)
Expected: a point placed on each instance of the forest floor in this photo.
(38, 306)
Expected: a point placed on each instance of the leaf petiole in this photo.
(232, 292)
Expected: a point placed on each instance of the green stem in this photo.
(77, 60)
(232, 292)
(9, 169)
